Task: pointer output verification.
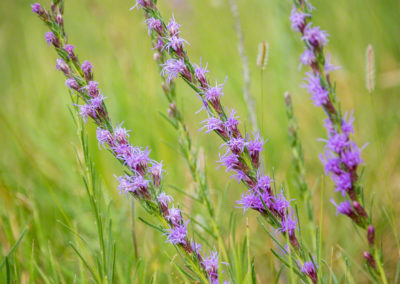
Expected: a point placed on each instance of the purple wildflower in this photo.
(200, 74)
(176, 43)
(252, 200)
(36, 8)
(125, 184)
(310, 270)
(177, 235)
(347, 124)
(344, 208)
(123, 151)
(230, 161)
(72, 84)
(232, 123)
(315, 37)
(164, 199)
(85, 111)
(121, 134)
(70, 50)
(141, 4)
(307, 57)
(138, 160)
(236, 145)
(211, 264)
(289, 224)
(213, 94)
(134, 184)
(359, 209)
(93, 89)
(298, 20)
(352, 158)
(139, 184)
(50, 38)
(255, 146)
(213, 124)
(154, 24)
(370, 259)
(241, 176)
(97, 103)
(172, 68)
(371, 235)
(281, 205)
(331, 164)
(157, 171)
(319, 94)
(263, 183)
(343, 182)
(173, 26)
(338, 142)
(174, 216)
(87, 70)
(196, 247)
(104, 136)
(62, 66)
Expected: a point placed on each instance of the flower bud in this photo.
(172, 110)
(156, 56)
(359, 209)
(36, 8)
(370, 260)
(72, 84)
(62, 66)
(371, 235)
(59, 20)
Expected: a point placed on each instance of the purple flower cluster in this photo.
(242, 152)
(342, 156)
(310, 270)
(143, 176)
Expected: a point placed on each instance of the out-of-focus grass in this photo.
(40, 184)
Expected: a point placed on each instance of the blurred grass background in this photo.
(40, 184)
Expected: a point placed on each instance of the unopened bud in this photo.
(62, 66)
(370, 260)
(156, 56)
(59, 20)
(172, 110)
(288, 99)
(359, 209)
(371, 235)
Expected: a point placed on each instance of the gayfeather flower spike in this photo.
(190, 153)
(342, 155)
(242, 155)
(143, 176)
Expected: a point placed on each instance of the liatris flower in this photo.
(142, 177)
(62, 66)
(210, 265)
(87, 70)
(172, 68)
(70, 50)
(342, 156)
(51, 39)
(153, 24)
(242, 161)
(310, 270)
(241, 148)
(72, 84)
